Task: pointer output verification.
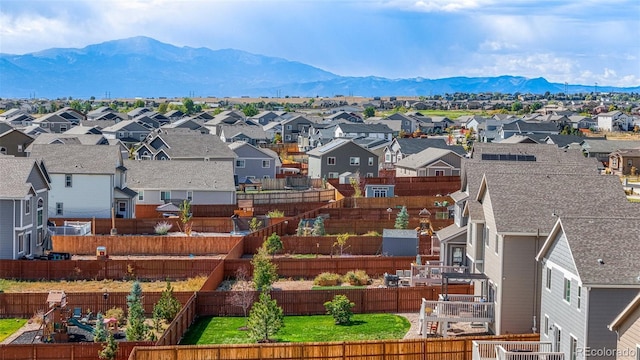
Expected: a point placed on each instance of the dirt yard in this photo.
(12, 286)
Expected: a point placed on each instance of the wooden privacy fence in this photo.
(308, 269)
(289, 197)
(145, 270)
(25, 305)
(146, 226)
(417, 202)
(145, 245)
(311, 302)
(75, 351)
(180, 324)
(215, 278)
(414, 349)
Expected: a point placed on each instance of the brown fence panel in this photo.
(180, 324)
(215, 278)
(324, 245)
(145, 245)
(76, 351)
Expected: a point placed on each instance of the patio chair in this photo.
(77, 312)
(399, 273)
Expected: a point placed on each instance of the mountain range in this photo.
(144, 67)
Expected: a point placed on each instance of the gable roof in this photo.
(14, 176)
(78, 159)
(180, 175)
(130, 125)
(364, 128)
(193, 145)
(410, 146)
(624, 314)
(423, 158)
(608, 146)
(82, 139)
(250, 131)
(613, 239)
(333, 146)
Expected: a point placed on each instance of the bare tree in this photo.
(243, 294)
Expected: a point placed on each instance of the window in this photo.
(439, 172)
(288, 127)
(546, 325)
(579, 296)
(573, 351)
(40, 237)
(287, 137)
(189, 195)
(369, 175)
(637, 352)
(20, 242)
(331, 160)
(614, 162)
(20, 148)
(379, 192)
(240, 163)
(63, 128)
(165, 195)
(266, 163)
(68, 180)
(333, 175)
(39, 215)
(387, 157)
(122, 207)
(558, 338)
(567, 290)
(370, 161)
(496, 246)
(121, 134)
(486, 236)
(3, 150)
(27, 206)
(548, 278)
(59, 209)
(141, 195)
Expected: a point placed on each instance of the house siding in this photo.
(6, 229)
(89, 195)
(521, 279)
(492, 263)
(253, 163)
(629, 337)
(567, 316)
(604, 306)
(11, 141)
(152, 197)
(320, 169)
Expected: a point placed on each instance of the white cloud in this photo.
(436, 5)
(496, 45)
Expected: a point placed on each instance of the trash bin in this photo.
(101, 253)
(391, 280)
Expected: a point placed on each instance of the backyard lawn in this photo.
(318, 328)
(9, 326)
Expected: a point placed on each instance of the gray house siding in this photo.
(6, 229)
(342, 157)
(253, 163)
(604, 306)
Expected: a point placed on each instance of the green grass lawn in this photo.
(9, 326)
(318, 328)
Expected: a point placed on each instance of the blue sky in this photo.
(579, 42)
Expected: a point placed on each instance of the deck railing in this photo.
(431, 274)
(490, 349)
(524, 354)
(463, 311)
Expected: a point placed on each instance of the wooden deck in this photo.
(514, 350)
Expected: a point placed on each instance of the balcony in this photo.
(514, 350)
(430, 274)
(436, 316)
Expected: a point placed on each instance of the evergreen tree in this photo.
(136, 328)
(265, 273)
(402, 219)
(318, 227)
(110, 349)
(168, 306)
(100, 331)
(273, 244)
(265, 319)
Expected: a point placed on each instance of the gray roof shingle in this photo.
(78, 159)
(180, 175)
(14, 177)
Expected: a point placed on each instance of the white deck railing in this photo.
(515, 350)
(432, 274)
(458, 311)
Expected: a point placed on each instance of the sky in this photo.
(579, 42)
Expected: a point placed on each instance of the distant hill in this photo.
(145, 67)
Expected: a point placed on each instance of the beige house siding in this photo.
(629, 337)
(492, 261)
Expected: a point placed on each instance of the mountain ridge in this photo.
(143, 66)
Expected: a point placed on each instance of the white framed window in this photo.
(3, 150)
(165, 195)
(497, 244)
(387, 157)
(122, 207)
(333, 175)
(59, 209)
(240, 163)
(354, 161)
(579, 297)
(439, 172)
(20, 243)
(40, 237)
(379, 192)
(189, 195)
(266, 177)
(567, 290)
(486, 236)
(287, 137)
(369, 175)
(370, 161)
(63, 128)
(573, 351)
(68, 180)
(288, 127)
(546, 325)
(27, 206)
(141, 195)
(266, 163)
(557, 338)
(331, 160)
(20, 148)
(548, 282)
(637, 352)
(40, 212)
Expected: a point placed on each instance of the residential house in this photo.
(148, 122)
(74, 116)
(355, 130)
(340, 156)
(627, 328)
(87, 139)
(86, 180)
(349, 116)
(54, 123)
(253, 162)
(563, 141)
(273, 129)
(84, 130)
(24, 201)
(138, 112)
(129, 132)
(397, 122)
(252, 134)
(178, 145)
(101, 113)
(403, 147)
(521, 127)
(614, 121)
(625, 162)
(319, 134)
(174, 115)
(17, 118)
(602, 148)
(430, 162)
(294, 127)
(588, 280)
(188, 123)
(200, 183)
(582, 122)
(13, 141)
(265, 117)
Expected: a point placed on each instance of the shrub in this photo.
(116, 313)
(340, 309)
(275, 213)
(372, 233)
(162, 228)
(356, 278)
(327, 279)
(273, 244)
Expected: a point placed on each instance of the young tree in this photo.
(341, 241)
(340, 309)
(242, 296)
(265, 319)
(318, 227)
(265, 273)
(100, 331)
(402, 219)
(255, 224)
(136, 328)
(273, 244)
(110, 349)
(188, 107)
(168, 306)
(185, 217)
(369, 111)
(250, 110)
